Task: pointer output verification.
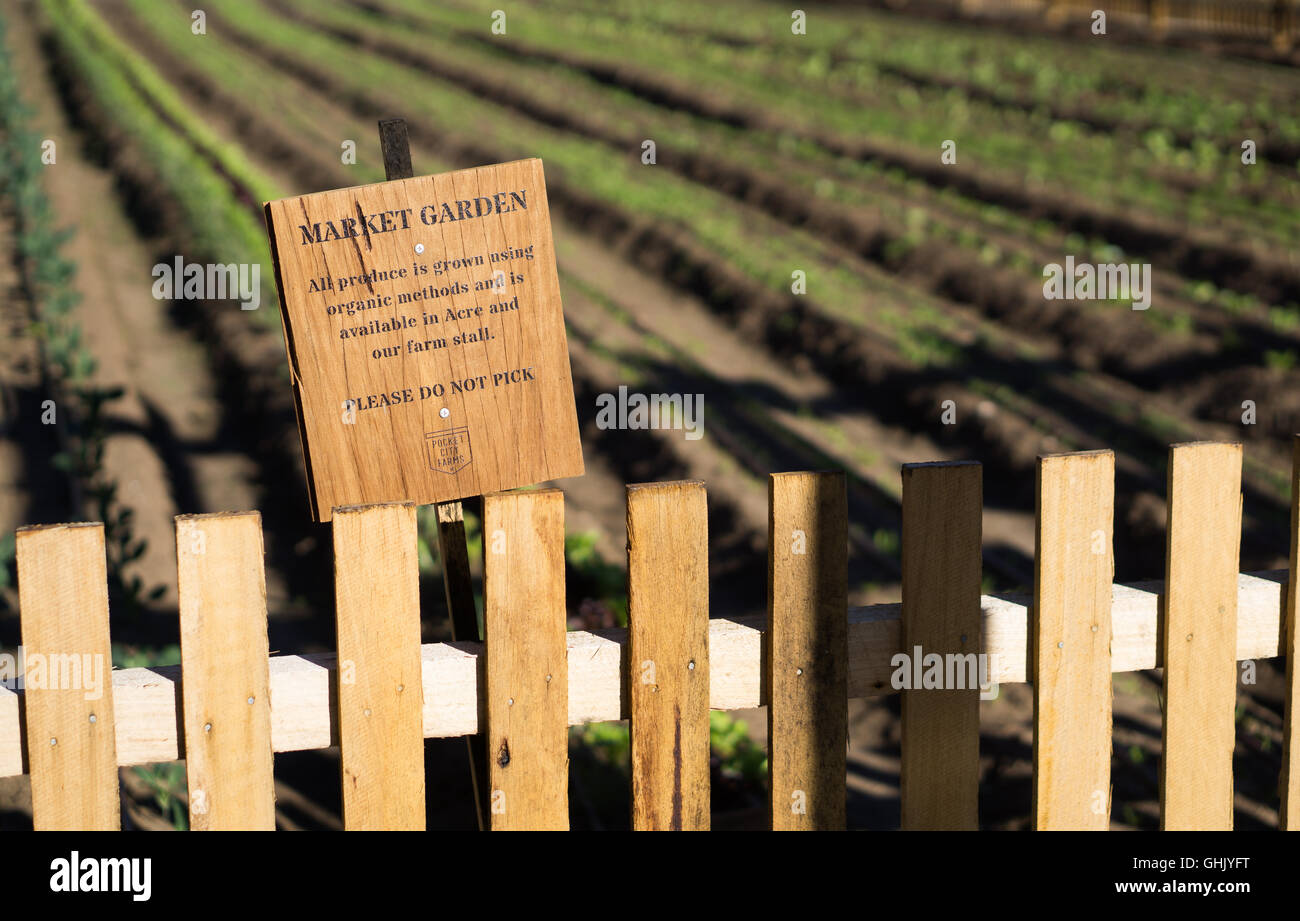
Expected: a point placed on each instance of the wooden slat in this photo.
(1289, 781)
(807, 663)
(668, 639)
(1200, 635)
(395, 147)
(527, 660)
(1074, 564)
(939, 775)
(227, 702)
(377, 593)
(63, 598)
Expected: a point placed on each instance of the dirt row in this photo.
(1272, 148)
(1101, 341)
(846, 354)
(629, 237)
(1220, 259)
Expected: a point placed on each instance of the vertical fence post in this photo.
(527, 660)
(807, 640)
(1074, 567)
(380, 687)
(1158, 17)
(1282, 25)
(668, 643)
(1289, 781)
(1200, 636)
(942, 566)
(226, 701)
(458, 587)
(68, 677)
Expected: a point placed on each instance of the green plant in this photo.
(77, 404)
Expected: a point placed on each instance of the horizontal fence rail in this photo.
(147, 701)
(230, 704)
(303, 716)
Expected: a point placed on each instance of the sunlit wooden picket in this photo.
(1252, 19)
(384, 692)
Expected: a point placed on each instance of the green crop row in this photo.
(614, 113)
(206, 178)
(1124, 173)
(77, 404)
(761, 248)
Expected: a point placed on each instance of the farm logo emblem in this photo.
(656, 411)
(1106, 282)
(449, 451)
(933, 672)
(103, 874)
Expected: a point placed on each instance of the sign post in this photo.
(426, 348)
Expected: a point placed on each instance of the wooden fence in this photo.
(384, 693)
(1268, 20)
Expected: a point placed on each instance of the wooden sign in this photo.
(425, 335)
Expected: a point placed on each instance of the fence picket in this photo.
(381, 737)
(1289, 781)
(807, 661)
(1200, 636)
(225, 695)
(668, 643)
(71, 749)
(942, 565)
(1074, 565)
(527, 660)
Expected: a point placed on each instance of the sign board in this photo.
(425, 335)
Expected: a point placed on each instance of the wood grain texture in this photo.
(395, 146)
(506, 385)
(1289, 779)
(1074, 564)
(377, 595)
(1200, 635)
(942, 563)
(227, 702)
(668, 648)
(71, 749)
(807, 638)
(527, 660)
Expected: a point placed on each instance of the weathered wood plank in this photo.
(807, 638)
(377, 593)
(668, 640)
(1074, 565)
(942, 563)
(224, 654)
(458, 587)
(1200, 634)
(71, 749)
(527, 660)
(1289, 780)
